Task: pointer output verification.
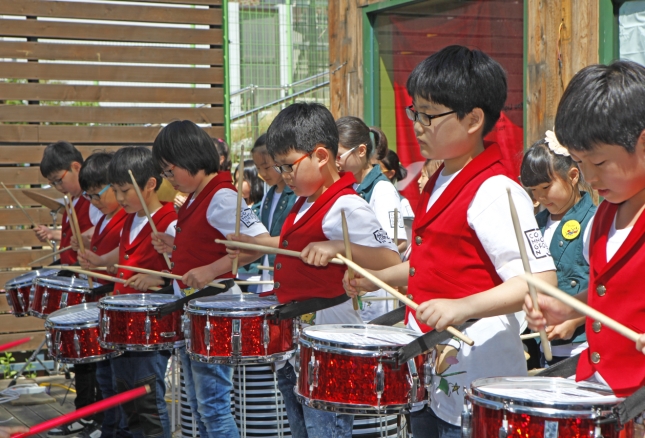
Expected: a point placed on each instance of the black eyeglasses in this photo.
(423, 118)
(168, 173)
(95, 196)
(288, 168)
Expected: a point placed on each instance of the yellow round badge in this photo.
(571, 229)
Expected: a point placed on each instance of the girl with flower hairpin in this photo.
(555, 181)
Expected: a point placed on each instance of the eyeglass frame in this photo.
(280, 169)
(98, 195)
(414, 115)
(168, 173)
(346, 153)
(59, 181)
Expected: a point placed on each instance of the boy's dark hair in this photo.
(94, 172)
(185, 145)
(260, 143)
(391, 162)
(223, 151)
(353, 132)
(541, 166)
(59, 156)
(603, 104)
(462, 80)
(300, 127)
(139, 160)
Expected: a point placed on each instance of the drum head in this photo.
(73, 316)
(540, 392)
(136, 300)
(233, 302)
(27, 278)
(69, 284)
(358, 336)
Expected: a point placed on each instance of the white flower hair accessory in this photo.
(554, 144)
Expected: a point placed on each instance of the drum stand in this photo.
(54, 215)
(34, 356)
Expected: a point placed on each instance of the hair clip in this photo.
(555, 145)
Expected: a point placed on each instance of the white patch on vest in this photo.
(391, 213)
(248, 218)
(381, 236)
(536, 241)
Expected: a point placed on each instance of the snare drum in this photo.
(73, 335)
(19, 290)
(354, 369)
(53, 293)
(539, 407)
(237, 329)
(130, 322)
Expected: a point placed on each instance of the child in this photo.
(185, 155)
(303, 141)
(277, 203)
(553, 178)
(252, 187)
(393, 170)
(465, 258)
(429, 168)
(61, 165)
(224, 154)
(354, 152)
(601, 121)
(148, 416)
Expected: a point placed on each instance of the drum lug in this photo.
(83, 299)
(427, 373)
(63, 300)
(105, 322)
(379, 381)
(266, 336)
(77, 344)
(32, 295)
(147, 327)
(597, 433)
(503, 431)
(185, 321)
(58, 345)
(48, 339)
(207, 335)
(236, 337)
(467, 419)
(21, 300)
(312, 369)
(414, 380)
(43, 301)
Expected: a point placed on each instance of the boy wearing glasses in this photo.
(465, 258)
(61, 165)
(303, 141)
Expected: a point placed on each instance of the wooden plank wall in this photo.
(127, 64)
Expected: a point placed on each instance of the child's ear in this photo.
(76, 166)
(151, 184)
(475, 120)
(322, 154)
(574, 175)
(640, 143)
(362, 150)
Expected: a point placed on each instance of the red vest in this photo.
(82, 208)
(447, 259)
(195, 235)
(615, 290)
(106, 241)
(295, 280)
(140, 252)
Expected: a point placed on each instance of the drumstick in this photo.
(163, 274)
(33, 222)
(348, 253)
(15, 343)
(546, 347)
(581, 307)
(529, 336)
(389, 289)
(95, 274)
(265, 268)
(145, 209)
(396, 228)
(251, 282)
(77, 232)
(268, 249)
(238, 211)
(86, 411)
(55, 253)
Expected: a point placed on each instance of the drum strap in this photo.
(208, 291)
(295, 309)
(101, 290)
(426, 342)
(390, 318)
(631, 407)
(565, 368)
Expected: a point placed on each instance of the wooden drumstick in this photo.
(76, 231)
(389, 289)
(78, 270)
(348, 253)
(529, 336)
(252, 282)
(145, 209)
(238, 211)
(55, 253)
(581, 307)
(33, 222)
(546, 347)
(265, 268)
(396, 228)
(268, 249)
(163, 274)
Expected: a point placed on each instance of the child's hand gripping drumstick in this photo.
(76, 230)
(145, 208)
(348, 254)
(546, 347)
(238, 211)
(389, 289)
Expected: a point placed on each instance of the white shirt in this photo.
(406, 208)
(94, 213)
(267, 275)
(549, 230)
(104, 224)
(384, 200)
(498, 350)
(140, 221)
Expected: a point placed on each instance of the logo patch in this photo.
(248, 218)
(381, 236)
(391, 213)
(571, 229)
(536, 241)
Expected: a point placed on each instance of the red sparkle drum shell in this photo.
(343, 368)
(130, 322)
(539, 407)
(19, 290)
(72, 335)
(237, 329)
(54, 293)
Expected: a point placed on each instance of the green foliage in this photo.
(8, 373)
